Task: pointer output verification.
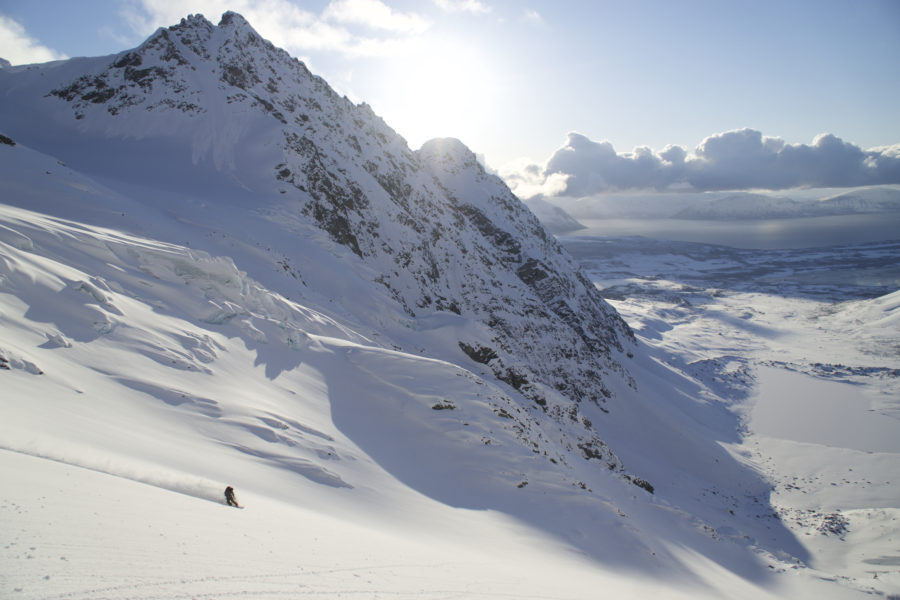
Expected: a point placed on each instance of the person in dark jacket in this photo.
(229, 497)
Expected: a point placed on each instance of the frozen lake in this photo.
(795, 406)
(805, 232)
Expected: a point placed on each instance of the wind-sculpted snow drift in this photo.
(203, 223)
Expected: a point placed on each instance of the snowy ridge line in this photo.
(180, 483)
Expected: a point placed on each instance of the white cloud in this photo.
(528, 180)
(352, 27)
(747, 159)
(472, 6)
(532, 16)
(733, 160)
(19, 48)
(376, 15)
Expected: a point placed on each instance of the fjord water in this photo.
(763, 234)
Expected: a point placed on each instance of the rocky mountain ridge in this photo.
(437, 238)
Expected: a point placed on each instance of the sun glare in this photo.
(441, 89)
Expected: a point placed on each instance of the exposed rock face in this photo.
(439, 233)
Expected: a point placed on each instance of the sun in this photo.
(441, 88)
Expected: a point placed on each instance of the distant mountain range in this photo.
(554, 218)
(561, 215)
(761, 206)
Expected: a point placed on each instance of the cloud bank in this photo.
(734, 160)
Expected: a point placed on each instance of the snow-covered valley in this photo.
(802, 345)
(214, 271)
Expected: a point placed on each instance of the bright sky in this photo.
(511, 79)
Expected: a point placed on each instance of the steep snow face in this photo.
(227, 119)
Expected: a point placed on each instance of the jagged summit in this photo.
(231, 18)
(183, 60)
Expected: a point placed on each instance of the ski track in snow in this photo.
(128, 542)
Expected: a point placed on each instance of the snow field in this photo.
(400, 498)
(119, 382)
(812, 381)
(71, 532)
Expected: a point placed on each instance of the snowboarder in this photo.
(229, 497)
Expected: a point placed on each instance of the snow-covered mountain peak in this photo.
(176, 65)
(431, 228)
(215, 139)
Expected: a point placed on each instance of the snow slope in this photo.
(214, 271)
(141, 377)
